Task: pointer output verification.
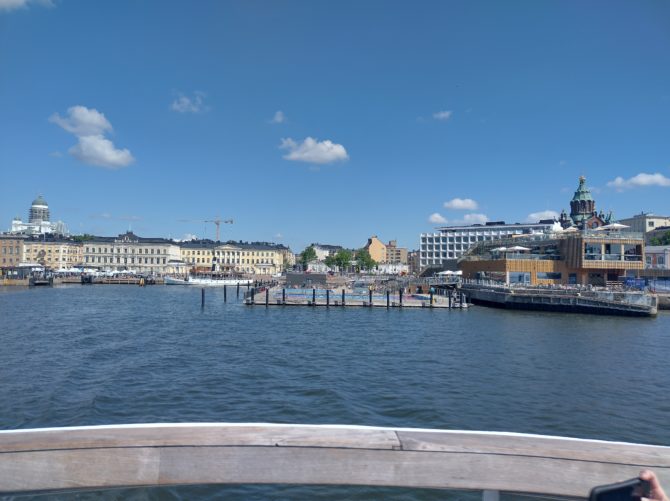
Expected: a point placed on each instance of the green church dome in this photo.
(40, 201)
(582, 193)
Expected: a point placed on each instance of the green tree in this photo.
(330, 261)
(309, 254)
(82, 238)
(342, 259)
(662, 240)
(364, 260)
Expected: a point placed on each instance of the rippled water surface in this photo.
(122, 354)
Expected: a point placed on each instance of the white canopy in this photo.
(518, 248)
(571, 229)
(499, 249)
(614, 226)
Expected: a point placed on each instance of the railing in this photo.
(101, 457)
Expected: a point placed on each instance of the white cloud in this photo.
(475, 218)
(185, 104)
(461, 204)
(437, 218)
(89, 125)
(313, 151)
(442, 115)
(639, 180)
(278, 118)
(534, 217)
(96, 150)
(9, 5)
(82, 121)
(468, 219)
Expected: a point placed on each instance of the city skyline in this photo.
(330, 123)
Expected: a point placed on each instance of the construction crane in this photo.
(218, 222)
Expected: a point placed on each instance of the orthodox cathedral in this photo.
(583, 213)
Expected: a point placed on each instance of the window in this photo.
(548, 275)
(660, 260)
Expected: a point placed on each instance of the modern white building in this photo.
(443, 247)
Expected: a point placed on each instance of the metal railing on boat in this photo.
(103, 457)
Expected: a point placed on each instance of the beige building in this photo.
(11, 250)
(130, 252)
(53, 253)
(642, 223)
(395, 254)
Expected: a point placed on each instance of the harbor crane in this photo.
(217, 221)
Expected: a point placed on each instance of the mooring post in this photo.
(400, 292)
(225, 293)
(238, 290)
(283, 296)
(370, 296)
(253, 295)
(431, 297)
(202, 298)
(388, 299)
(342, 297)
(451, 293)
(313, 296)
(267, 296)
(248, 285)
(327, 298)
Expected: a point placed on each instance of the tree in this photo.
(364, 260)
(342, 259)
(662, 240)
(330, 261)
(309, 254)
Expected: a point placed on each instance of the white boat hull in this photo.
(207, 282)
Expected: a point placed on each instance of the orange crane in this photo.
(218, 222)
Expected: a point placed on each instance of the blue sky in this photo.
(329, 122)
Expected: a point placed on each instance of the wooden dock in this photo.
(277, 296)
(100, 457)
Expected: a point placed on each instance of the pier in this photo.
(103, 457)
(346, 297)
(568, 300)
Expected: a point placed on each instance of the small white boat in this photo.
(207, 281)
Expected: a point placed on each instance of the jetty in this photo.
(348, 297)
(562, 299)
(50, 460)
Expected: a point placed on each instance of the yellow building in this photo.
(376, 249)
(53, 253)
(11, 250)
(237, 258)
(588, 257)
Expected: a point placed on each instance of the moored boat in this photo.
(207, 281)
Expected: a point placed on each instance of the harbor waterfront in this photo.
(151, 354)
